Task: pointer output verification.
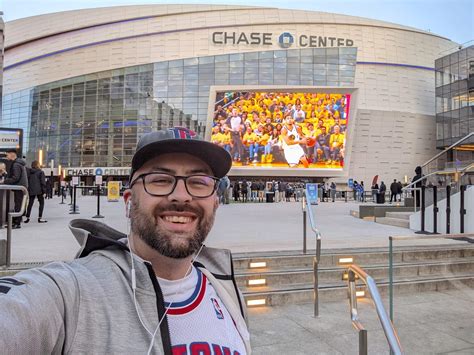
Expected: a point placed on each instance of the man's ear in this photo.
(127, 197)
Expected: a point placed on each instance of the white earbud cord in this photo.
(169, 306)
(134, 286)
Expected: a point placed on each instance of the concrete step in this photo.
(304, 293)
(362, 257)
(287, 278)
(399, 215)
(355, 213)
(396, 222)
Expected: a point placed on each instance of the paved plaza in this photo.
(427, 323)
(435, 322)
(243, 228)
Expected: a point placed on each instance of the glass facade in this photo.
(454, 96)
(2, 41)
(96, 119)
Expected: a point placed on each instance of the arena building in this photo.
(85, 85)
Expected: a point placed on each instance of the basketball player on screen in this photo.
(292, 137)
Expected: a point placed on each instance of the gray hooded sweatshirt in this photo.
(86, 306)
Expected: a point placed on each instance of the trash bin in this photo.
(380, 197)
(270, 196)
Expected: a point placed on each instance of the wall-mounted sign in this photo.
(284, 40)
(100, 171)
(11, 138)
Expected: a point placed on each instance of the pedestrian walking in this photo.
(333, 191)
(36, 190)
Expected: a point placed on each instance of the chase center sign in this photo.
(284, 40)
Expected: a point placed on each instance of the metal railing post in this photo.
(24, 202)
(363, 345)
(9, 240)
(462, 210)
(304, 225)
(448, 209)
(422, 205)
(316, 276)
(317, 256)
(435, 209)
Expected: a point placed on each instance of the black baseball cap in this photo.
(11, 150)
(180, 140)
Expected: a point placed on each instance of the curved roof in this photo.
(20, 31)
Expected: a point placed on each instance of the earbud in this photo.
(129, 207)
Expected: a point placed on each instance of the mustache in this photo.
(179, 207)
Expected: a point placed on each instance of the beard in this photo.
(172, 245)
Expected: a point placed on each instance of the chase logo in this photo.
(286, 40)
(98, 171)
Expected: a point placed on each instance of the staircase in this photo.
(288, 278)
(397, 219)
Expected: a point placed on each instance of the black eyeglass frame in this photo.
(177, 178)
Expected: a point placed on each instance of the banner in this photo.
(113, 191)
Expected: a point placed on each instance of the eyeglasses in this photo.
(162, 184)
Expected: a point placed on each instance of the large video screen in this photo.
(281, 129)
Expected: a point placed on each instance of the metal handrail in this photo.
(424, 177)
(387, 325)
(469, 135)
(416, 237)
(317, 257)
(24, 202)
(466, 168)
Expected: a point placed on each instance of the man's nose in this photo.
(180, 193)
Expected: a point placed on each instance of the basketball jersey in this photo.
(199, 322)
(293, 132)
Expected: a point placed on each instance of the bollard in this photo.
(435, 210)
(462, 210)
(448, 209)
(74, 209)
(98, 215)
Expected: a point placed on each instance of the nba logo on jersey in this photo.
(217, 308)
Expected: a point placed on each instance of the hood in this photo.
(34, 171)
(20, 161)
(94, 236)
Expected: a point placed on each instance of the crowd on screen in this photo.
(290, 128)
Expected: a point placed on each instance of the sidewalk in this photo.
(240, 227)
(428, 323)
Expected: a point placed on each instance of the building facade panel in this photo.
(87, 91)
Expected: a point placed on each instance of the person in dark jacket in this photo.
(383, 189)
(49, 188)
(393, 191)
(16, 176)
(418, 183)
(36, 189)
